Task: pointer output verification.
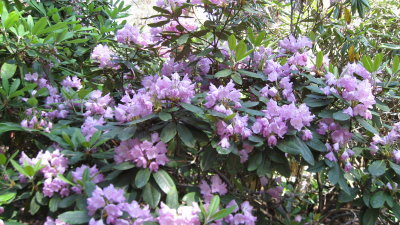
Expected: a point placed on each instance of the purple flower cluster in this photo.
(111, 201)
(89, 126)
(238, 126)
(147, 154)
(217, 186)
(132, 35)
(72, 82)
(51, 221)
(294, 45)
(99, 105)
(359, 93)
(94, 175)
(182, 215)
(53, 164)
(221, 99)
(389, 139)
(278, 118)
(104, 56)
(244, 217)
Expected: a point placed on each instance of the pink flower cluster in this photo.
(147, 154)
(112, 202)
(72, 82)
(217, 186)
(278, 118)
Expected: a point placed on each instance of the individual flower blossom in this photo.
(217, 186)
(396, 156)
(348, 167)
(331, 157)
(204, 65)
(307, 135)
(89, 126)
(147, 154)
(72, 82)
(99, 105)
(105, 56)
(226, 95)
(244, 153)
(298, 218)
(51, 221)
(31, 77)
(182, 215)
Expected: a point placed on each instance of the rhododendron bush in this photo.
(188, 120)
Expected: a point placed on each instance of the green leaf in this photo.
(53, 204)
(214, 204)
(395, 167)
(12, 18)
(370, 216)
(168, 132)
(236, 78)
(316, 144)
(151, 195)
(241, 49)
(395, 64)
(232, 42)
(252, 74)
(341, 116)
(19, 168)
(8, 70)
(33, 207)
(127, 133)
(4, 198)
(142, 177)
(124, 166)
(3, 159)
(39, 25)
(164, 181)
(377, 200)
(186, 136)
(223, 73)
(367, 125)
(192, 108)
(377, 168)
(255, 161)
(223, 213)
(75, 217)
(164, 116)
(172, 198)
(320, 58)
(293, 145)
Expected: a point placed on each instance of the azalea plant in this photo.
(199, 117)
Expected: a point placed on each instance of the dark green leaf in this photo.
(75, 217)
(142, 177)
(151, 195)
(186, 136)
(164, 181)
(293, 145)
(377, 200)
(168, 132)
(377, 168)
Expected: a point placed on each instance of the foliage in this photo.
(200, 117)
